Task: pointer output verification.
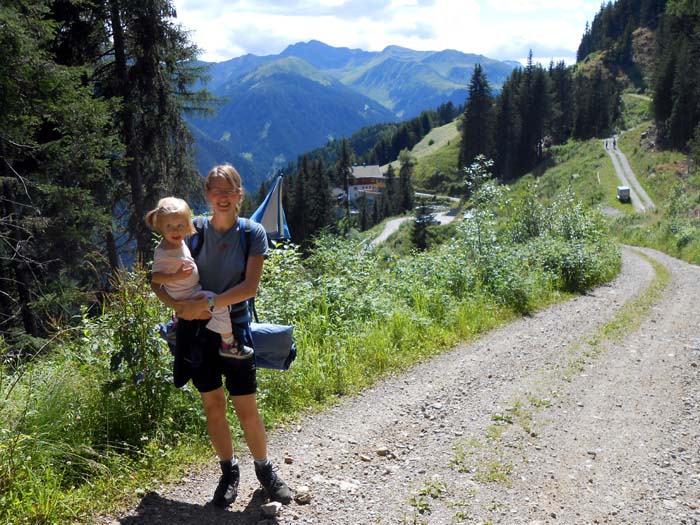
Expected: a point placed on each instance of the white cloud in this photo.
(502, 29)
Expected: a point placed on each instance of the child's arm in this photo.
(184, 271)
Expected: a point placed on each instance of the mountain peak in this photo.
(316, 45)
(322, 55)
(288, 65)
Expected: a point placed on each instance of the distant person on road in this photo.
(614, 143)
(606, 143)
(224, 270)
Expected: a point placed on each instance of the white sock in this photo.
(261, 462)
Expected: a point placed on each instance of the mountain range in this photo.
(276, 107)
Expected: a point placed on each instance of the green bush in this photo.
(91, 410)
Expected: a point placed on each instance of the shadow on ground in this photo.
(155, 509)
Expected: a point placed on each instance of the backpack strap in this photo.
(246, 235)
(246, 307)
(196, 240)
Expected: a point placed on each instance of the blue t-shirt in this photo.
(220, 261)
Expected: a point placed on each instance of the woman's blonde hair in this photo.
(166, 207)
(229, 174)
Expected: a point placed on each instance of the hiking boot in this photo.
(275, 488)
(227, 489)
(236, 350)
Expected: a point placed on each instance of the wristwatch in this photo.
(210, 300)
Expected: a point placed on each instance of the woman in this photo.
(223, 270)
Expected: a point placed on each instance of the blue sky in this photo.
(501, 29)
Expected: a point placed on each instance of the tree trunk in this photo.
(132, 151)
(112, 254)
(20, 265)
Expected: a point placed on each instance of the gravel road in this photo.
(640, 199)
(529, 425)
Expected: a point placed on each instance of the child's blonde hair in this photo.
(230, 175)
(166, 207)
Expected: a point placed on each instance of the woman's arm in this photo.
(195, 308)
(164, 296)
(245, 289)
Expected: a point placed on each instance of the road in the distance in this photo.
(640, 199)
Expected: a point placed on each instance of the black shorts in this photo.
(203, 364)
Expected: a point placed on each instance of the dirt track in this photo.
(528, 425)
(640, 199)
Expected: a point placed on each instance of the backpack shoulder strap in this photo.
(246, 235)
(196, 240)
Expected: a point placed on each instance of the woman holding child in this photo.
(230, 281)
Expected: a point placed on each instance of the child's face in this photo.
(173, 228)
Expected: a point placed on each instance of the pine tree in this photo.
(318, 191)
(298, 220)
(419, 232)
(527, 148)
(684, 112)
(391, 194)
(153, 69)
(507, 129)
(364, 213)
(584, 47)
(343, 171)
(405, 197)
(55, 147)
(477, 121)
(562, 107)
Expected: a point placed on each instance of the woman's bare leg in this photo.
(246, 408)
(214, 403)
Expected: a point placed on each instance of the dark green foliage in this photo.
(677, 79)
(533, 104)
(307, 200)
(406, 194)
(507, 131)
(391, 196)
(56, 144)
(419, 230)
(91, 134)
(535, 108)
(153, 69)
(612, 26)
(561, 121)
(477, 121)
(597, 100)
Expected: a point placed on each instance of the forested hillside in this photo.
(668, 32)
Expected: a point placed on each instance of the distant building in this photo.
(366, 180)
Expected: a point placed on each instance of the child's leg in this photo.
(233, 347)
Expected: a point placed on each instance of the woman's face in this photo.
(223, 197)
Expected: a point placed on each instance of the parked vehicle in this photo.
(623, 193)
